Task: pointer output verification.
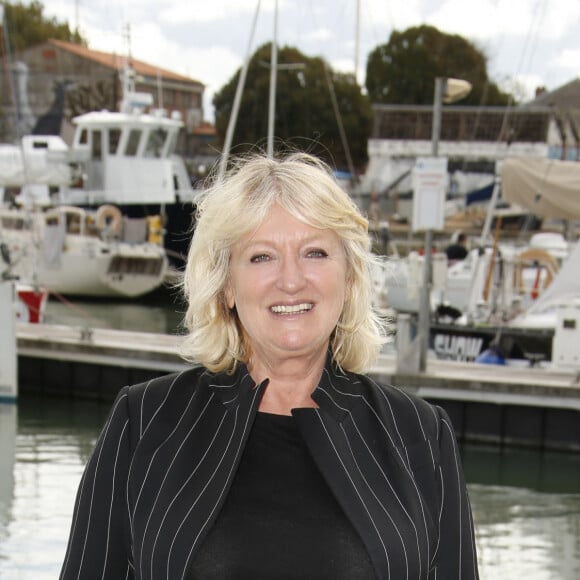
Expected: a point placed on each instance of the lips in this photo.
(292, 309)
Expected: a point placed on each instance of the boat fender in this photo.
(155, 229)
(109, 219)
(491, 356)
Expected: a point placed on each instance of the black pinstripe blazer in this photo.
(163, 464)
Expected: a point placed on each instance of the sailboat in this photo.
(541, 331)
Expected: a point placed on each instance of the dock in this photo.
(531, 407)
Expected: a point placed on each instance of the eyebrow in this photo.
(314, 239)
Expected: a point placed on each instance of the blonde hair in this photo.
(235, 206)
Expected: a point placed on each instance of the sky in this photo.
(528, 43)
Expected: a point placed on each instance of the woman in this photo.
(274, 458)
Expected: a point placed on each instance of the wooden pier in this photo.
(487, 403)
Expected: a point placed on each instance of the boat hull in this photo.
(466, 343)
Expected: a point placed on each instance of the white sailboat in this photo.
(71, 250)
(538, 322)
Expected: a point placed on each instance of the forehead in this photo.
(281, 224)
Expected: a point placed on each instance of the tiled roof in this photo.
(115, 61)
(206, 129)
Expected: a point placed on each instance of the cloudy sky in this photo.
(527, 42)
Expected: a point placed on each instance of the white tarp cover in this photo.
(546, 187)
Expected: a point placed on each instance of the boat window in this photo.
(114, 138)
(84, 137)
(97, 150)
(155, 143)
(172, 143)
(52, 220)
(39, 145)
(73, 223)
(133, 142)
(15, 223)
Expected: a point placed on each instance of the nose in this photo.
(291, 276)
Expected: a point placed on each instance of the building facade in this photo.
(56, 80)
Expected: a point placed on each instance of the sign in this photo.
(429, 192)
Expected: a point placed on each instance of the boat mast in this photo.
(273, 72)
(237, 100)
(356, 40)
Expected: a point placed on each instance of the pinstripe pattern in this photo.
(167, 455)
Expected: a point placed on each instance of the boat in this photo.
(519, 273)
(537, 324)
(82, 252)
(30, 303)
(124, 158)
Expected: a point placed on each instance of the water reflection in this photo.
(526, 507)
(52, 441)
(8, 423)
(553, 472)
(526, 504)
(161, 312)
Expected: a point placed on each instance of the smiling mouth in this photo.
(294, 309)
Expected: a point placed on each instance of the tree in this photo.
(28, 26)
(305, 116)
(403, 71)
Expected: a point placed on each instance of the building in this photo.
(474, 140)
(56, 80)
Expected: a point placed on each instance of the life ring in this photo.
(543, 261)
(109, 219)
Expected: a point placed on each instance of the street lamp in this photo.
(447, 90)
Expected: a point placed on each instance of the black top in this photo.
(280, 519)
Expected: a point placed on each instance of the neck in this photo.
(291, 383)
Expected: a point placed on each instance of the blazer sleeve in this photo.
(456, 553)
(99, 544)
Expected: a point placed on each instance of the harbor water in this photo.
(526, 503)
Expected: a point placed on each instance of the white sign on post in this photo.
(429, 188)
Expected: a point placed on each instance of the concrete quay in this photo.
(486, 403)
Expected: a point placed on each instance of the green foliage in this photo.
(28, 26)
(305, 117)
(403, 71)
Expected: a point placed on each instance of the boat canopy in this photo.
(546, 187)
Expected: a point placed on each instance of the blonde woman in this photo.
(275, 456)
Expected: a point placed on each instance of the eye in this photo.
(317, 253)
(257, 258)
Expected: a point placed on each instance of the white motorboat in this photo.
(71, 250)
(124, 158)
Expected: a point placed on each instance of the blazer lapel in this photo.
(365, 467)
(193, 475)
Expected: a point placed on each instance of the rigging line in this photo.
(237, 100)
(534, 23)
(339, 121)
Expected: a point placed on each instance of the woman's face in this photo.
(288, 283)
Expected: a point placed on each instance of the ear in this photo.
(229, 296)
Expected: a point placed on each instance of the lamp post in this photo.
(447, 90)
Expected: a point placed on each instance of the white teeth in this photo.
(292, 309)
